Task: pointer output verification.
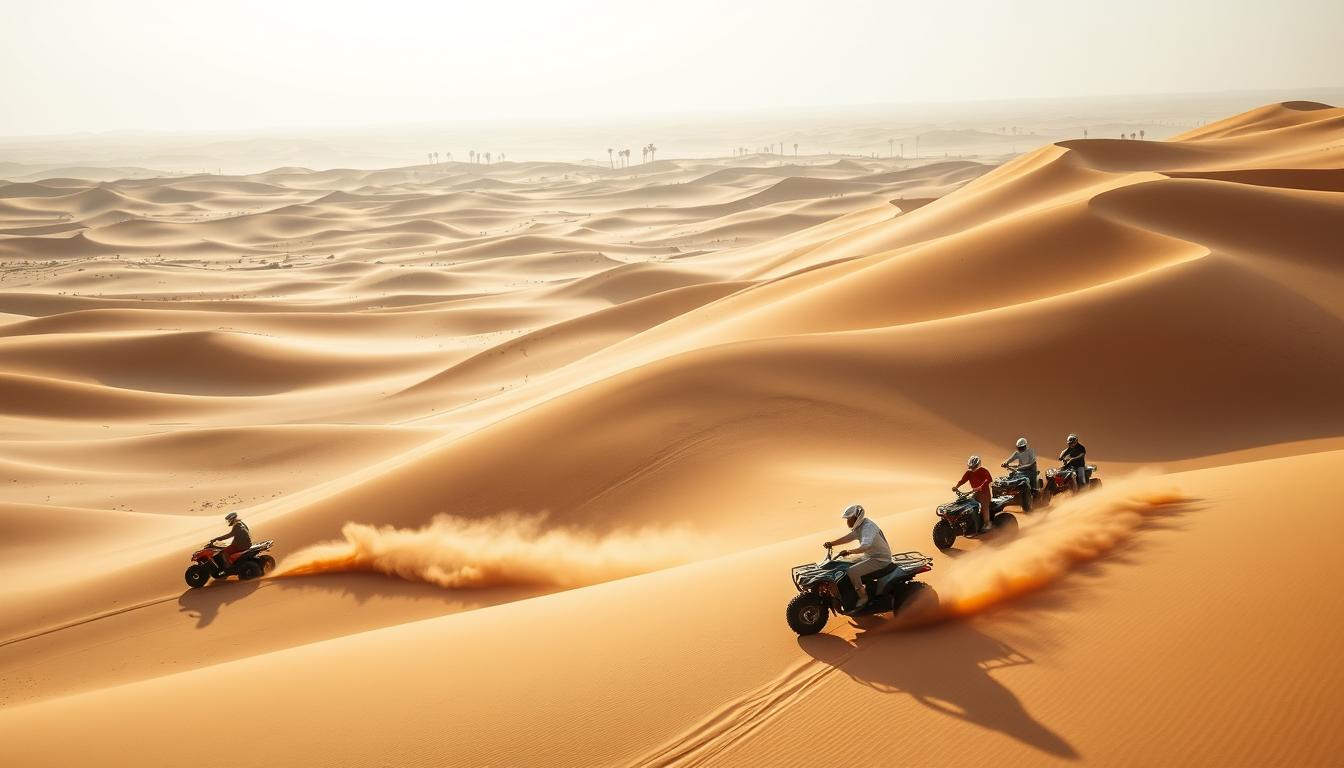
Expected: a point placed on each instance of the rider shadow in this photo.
(946, 669)
(203, 604)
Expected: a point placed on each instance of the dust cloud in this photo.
(500, 551)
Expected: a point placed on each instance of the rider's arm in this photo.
(866, 539)
(962, 481)
(853, 535)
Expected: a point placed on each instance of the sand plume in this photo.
(505, 550)
(1075, 530)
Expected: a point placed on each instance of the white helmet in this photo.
(973, 462)
(853, 512)
(231, 518)
(1021, 443)
(1073, 438)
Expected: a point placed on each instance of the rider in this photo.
(872, 545)
(1074, 457)
(980, 480)
(242, 540)
(1026, 460)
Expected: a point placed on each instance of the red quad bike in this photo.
(251, 563)
(1062, 479)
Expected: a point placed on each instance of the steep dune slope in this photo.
(624, 682)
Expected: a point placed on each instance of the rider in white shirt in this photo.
(876, 553)
(1023, 460)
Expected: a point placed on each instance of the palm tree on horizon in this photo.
(610, 161)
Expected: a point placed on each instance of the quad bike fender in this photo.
(889, 582)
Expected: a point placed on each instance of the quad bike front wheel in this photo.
(807, 613)
(944, 535)
(197, 576)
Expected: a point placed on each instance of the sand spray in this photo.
(1072, 531)
(498, 551)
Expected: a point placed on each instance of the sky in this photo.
(70, 66)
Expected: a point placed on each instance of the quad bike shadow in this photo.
(204, 604)
(949, 669)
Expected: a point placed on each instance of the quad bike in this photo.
(1063, 479)
(962, 518)
(207, 563)
(1017, 486)
(824, 588)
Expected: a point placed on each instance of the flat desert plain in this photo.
(537, 444)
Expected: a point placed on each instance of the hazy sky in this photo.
(70, 66)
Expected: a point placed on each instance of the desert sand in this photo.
(539, 441)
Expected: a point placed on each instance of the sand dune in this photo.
(537, 443)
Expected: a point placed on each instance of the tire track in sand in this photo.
(739, 719)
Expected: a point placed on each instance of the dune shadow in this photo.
(203, 604)
(947, 668)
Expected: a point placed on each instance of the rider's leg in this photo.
(1081, 474)
(856, 573)
(225, 556)
(983, 497)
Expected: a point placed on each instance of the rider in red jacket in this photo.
(980, 481)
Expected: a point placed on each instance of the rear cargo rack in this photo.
(911, 559)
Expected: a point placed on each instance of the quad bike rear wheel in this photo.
(913, 596)
(1093, 484)
(197, 576)
(944, 535)
(807, 613)
(250, 570)
(1005, 524)
(1024, 498)
(267, 563)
